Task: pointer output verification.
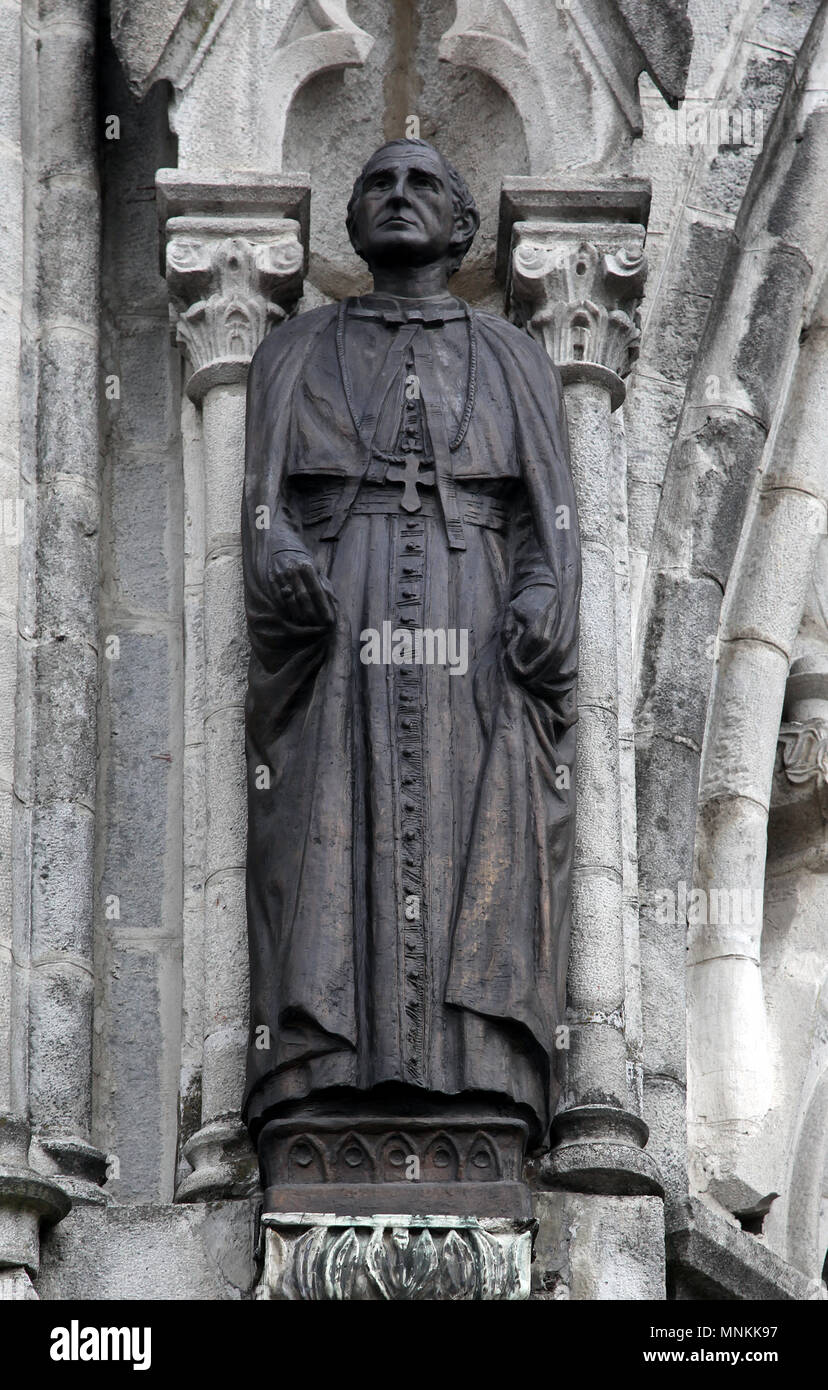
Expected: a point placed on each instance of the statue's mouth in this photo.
(396, 220)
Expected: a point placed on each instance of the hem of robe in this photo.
(304, 1081)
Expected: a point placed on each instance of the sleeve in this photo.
(541, 631)
(268, 526)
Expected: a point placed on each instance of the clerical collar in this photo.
(391, 309)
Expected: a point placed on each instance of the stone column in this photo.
(48, 626)
(574, 264)
(731, 1072)
(235, 250)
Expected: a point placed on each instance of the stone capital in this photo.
(573, 259)
(235, 252)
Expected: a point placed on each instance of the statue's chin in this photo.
(403, 251)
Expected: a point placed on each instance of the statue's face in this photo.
(405, 214)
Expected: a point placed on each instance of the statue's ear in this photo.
(466, 224)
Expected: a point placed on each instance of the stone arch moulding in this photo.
(730, 1054)
(234, 78)
(770, 277)
(507, 58)
(805, 1225)
(510, 40)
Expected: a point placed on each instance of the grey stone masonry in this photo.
(138, 920)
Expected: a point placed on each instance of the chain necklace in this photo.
(402, 317)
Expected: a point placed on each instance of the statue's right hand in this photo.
(304, 597)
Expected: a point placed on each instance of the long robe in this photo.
(409, 845)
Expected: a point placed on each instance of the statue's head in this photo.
(409, 206)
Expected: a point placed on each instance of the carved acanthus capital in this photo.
(234, 264)
(580, 296)
(228, 291)
(396, 1259)
(576, 272)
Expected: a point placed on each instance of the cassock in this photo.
(410, 821)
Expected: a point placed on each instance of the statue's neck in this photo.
(403, 299)
(411, 282)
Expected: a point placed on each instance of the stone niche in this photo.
(510, 92)
(280, 102)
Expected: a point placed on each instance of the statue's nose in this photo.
(399, 193)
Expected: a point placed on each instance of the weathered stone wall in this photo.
(11, 336)
(139, 884)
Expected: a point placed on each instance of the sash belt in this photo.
(476, 508)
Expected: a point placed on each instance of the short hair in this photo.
(461, 197)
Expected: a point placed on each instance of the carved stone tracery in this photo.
(353, 1160)
(279, 45)
(517, 43)
(377, 1152)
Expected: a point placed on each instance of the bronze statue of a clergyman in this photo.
(411, 817)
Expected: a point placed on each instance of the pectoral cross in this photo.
(410, 475)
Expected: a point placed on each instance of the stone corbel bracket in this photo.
(573, 261)
(234, 263)
(312, 1257)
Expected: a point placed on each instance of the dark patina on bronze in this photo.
(410, 825)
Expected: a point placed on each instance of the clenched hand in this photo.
(304, 597)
